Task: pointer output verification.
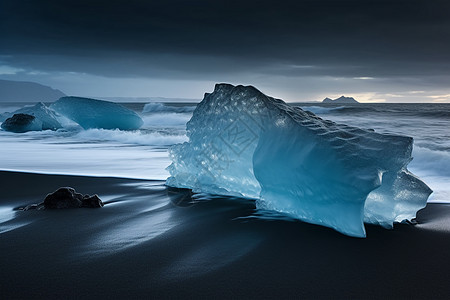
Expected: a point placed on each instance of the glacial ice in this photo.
(92, 113)
(44, 116)
(244, 143)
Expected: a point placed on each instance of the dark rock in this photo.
(341, 100)
(91, 201)
(67, 197)
(45, 117)
(21, 123)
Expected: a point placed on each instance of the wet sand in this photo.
(152, 242)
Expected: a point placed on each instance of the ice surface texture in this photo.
(244, 143)
(91, 113)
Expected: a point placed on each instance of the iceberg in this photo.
(44, 116)
(92, 113)
(244, 143)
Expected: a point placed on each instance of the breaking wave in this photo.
(158, 107)
(433, 166)
(139, 137)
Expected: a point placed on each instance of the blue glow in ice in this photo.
(244, 143)
(92, 113)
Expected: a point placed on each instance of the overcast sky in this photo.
(374, 50)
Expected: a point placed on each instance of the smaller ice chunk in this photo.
(92, 113)
(20, 123)
(44, 115)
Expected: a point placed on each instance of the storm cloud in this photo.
(259, 42)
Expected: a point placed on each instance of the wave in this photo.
(433, 166)
(436, 114)
(357, 109)
(440, 111)
(163, 108)
(321, 109)
(347, 109)
(431, 161)
(166, 120)
(137, 137)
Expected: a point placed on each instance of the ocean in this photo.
(143, 154)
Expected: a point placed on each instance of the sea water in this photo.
(143, 153)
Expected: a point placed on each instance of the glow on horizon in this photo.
(290, 89)
(364, 78)
(440, 98)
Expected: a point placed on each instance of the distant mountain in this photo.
(340, 100)
(22, 91)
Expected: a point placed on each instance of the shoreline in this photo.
(151, 241)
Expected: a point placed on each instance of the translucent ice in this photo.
(43, 115)
(91, 113)
(242, 142)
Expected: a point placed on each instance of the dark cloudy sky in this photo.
(374, 50)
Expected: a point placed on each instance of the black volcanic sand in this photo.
(152, 242)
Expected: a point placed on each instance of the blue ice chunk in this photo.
(244, 143)
(92, 113)
(44, 116)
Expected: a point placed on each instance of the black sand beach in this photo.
(151, 242)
